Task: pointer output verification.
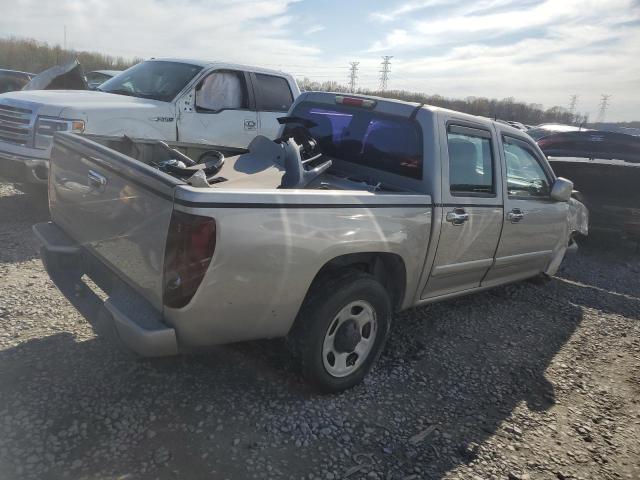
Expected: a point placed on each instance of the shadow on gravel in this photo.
(454, 370)
(18, 213)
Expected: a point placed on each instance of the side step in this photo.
(53, 239)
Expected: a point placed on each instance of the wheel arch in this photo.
(388, 268)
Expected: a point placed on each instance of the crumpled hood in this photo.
(67, 77)
(578, 217)
(54, 102)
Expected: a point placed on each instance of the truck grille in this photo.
(15, 125)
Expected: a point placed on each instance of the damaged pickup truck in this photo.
(173, 100)
(361, 208)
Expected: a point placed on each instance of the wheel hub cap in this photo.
(349, 339)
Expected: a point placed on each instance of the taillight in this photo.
(190, 245)
(355, 101)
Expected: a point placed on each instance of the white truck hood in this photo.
(79, 102)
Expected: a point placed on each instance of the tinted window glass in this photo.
(525, 175)
(153, 79)
(361, 136)
(470, 164)
(274, 93)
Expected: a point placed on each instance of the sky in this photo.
(537, 51)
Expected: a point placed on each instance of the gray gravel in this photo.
(530, 381)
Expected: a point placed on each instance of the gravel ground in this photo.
(534, 380)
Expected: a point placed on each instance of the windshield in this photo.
(154, 79)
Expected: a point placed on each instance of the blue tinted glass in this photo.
(383, 142)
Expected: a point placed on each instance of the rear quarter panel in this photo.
(271, 246)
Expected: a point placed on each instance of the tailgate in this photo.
(115, 206)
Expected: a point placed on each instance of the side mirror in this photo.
(561, 190)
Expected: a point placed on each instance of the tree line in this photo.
(506, 109)
(32, 56)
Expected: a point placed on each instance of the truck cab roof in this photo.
(222, 64)
(393, 106)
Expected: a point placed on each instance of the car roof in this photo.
(6, 70)
(106, 72)
(223, 64)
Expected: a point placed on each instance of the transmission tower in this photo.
(384, 73)
(604, 103)
(353, 76)
(573, 102)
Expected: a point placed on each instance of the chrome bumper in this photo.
(23, 169)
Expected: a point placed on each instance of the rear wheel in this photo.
(341, 330)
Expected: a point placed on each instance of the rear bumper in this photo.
(23, 169)
(138, 324)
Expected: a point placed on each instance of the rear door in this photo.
(535, 225)
(273, 100)
(471, 208)
(222, 111)
(116, 207)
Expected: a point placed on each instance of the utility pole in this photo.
(353, 76)
(384, 73)
(64, 44)
(604, 103)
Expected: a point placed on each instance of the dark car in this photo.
(592, 144)
(605, 169)
(546, 129)
(98, 77)
(12, 80)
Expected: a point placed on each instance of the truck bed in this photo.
(270, 242)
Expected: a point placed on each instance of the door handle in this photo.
(515, 215)
(96, 180)
(457, 217)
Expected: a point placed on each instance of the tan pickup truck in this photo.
(361, 208)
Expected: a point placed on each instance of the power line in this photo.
(604, 103)
(353, 76)
(384, 73)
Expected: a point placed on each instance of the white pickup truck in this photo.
(362, 207)
(175, 100)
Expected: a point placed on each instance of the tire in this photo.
(339, 309)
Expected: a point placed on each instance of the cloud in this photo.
(536, 50)
(253, 31)
(405, 9)
(314, 29)
(540, 53)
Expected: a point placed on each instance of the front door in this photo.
(535, 225)
(220, 111)
(471, 210)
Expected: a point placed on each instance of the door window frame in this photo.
(256, 91)
(456, 129)
(248, 90)
(525, 145)
(461, 199)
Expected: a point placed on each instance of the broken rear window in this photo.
(384, 142)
